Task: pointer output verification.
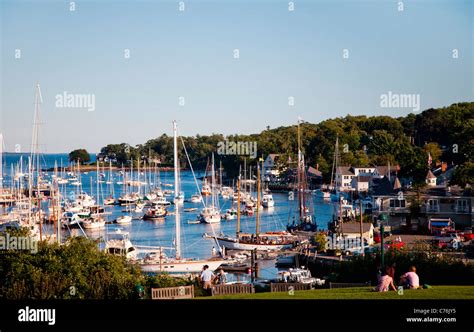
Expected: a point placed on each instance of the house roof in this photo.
(430, 175)
(344, 170)
(354, 227)
(396, 184)
(273, 156)
(383, 170)
(313, 171)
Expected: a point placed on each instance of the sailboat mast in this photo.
(257, 219)
(97, 181)
(176, 192)
(55, 204)
(334, 163)
(298, 172)
(138, 177)
(220, 174)
(213, 183)
(238, 208)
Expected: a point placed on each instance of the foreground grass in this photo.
(363, 293)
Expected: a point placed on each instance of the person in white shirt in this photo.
(206, 277)
(410, 279)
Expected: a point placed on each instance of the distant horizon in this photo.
(254, 133)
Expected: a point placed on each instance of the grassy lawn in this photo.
(363, 293)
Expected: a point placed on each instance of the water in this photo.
(162, 233)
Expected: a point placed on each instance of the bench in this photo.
(348, 284)
(233, 289)
(285, 287)
(172, 293)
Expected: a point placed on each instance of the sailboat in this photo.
(334, 187)
(268, 241)
(210, 214)
(159, 262)
(305, 221)
(95, 221)
(111, 199)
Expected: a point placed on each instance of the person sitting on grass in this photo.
(385, 282)
(410, 279)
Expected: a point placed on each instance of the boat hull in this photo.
(181, 267)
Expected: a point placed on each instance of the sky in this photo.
(222, 66)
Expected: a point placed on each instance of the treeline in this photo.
(446, 133)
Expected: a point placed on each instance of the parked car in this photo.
(440, 244)
(358, 250)
(448, 237)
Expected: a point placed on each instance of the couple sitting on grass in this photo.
(409, 280)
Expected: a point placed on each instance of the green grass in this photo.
(363, 293)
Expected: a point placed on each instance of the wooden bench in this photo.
(172, 293)
(233, 289)
(285, 287)
(348, 284)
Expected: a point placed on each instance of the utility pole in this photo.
(361, 230)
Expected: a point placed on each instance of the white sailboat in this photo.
(211, 214)
(268, 241)
(159, 262)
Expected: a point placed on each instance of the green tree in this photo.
(320, 240)
(434, 150)
(463, 175)
(76, 269)
(80, 154)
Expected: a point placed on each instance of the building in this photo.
(361, 183)
(360, 178)
(430, 179)
(351, 230)
(433, 204)
(343, 179)
(270, 165)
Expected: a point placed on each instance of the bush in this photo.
(74, 270)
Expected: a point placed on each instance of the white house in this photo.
(343, 179)
(269, 165)
(361, 183)
(351, 230)
(430, 179)
(346, 176)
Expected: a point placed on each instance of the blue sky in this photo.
(191, 54)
